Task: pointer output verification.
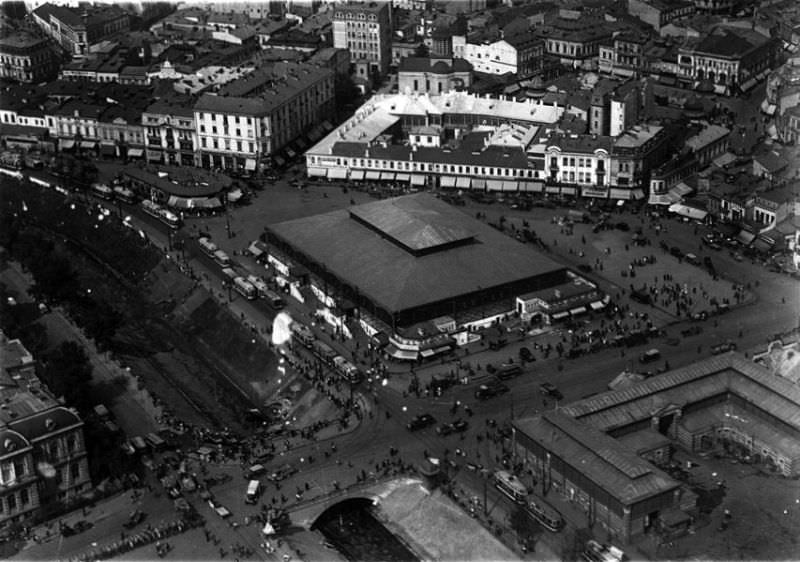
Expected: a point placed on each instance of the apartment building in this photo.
(520, 54)
(575, 43)
(43, 463)
(26, 58)
(624, 55)
(365, 29)
(78, 29)
(254, 117)
(583, 161)
(659, 13)
(170, 132)
(730, 58)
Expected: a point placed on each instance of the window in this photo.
(75, 471)
(24, 496)
(12, 502)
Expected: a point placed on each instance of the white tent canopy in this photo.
(685, 211)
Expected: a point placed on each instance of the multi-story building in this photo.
(170, 132)
(659, 13)
(26, 58)
(252, 118)
(520, 54)
(365, 29)
(453, 140)
(575, 43)
(709, 143)
(728, 57)
(433, 75)
(43, 463)
(636, 152)
(624, 55)
(776, 205)
(78, 29)
(615, 106)
(581, 161)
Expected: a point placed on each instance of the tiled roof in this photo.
(47, 421)
(434, 65)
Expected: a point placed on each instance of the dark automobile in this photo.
(420, 422)
(675, 251)
(490, 390)
(586, 268)
(549, 389)
(723, 347)
(623, 226)
(691, 331)
(525, 354)
(458, 426)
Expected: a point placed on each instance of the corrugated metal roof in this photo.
(600, 458)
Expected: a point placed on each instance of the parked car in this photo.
(458, 426)
(549, 389)
(420, 422)
(723, 347)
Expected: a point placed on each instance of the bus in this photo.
(208, 247)
(124, 194)
(245, 288)
(547, 516)
(230, 273)
(274, 299)
(510, 486)
(222, 258)
(350, 372)
(258, 283)
(102, 191)
(155, 210)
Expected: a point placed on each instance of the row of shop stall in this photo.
(470, 183)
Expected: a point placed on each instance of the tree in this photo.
(67, 372)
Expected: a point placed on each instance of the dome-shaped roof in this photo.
(45, 422)
(11, 441)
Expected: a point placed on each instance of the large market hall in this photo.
(410, 259)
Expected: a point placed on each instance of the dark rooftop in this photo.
(369, 258)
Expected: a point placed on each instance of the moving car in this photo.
(649, 356)
(458, 426)
(420, 422)
(490, 390)
(549, 389)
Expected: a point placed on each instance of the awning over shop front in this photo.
(135, 152)
(66, 144)
(373, 175)
(388, 176)
(447, 181)
(417, 179)
(637, 194)
(478, 184)
(552, 189)
(597, 305)
(357, 175)
(578, 310)
(559, 315)
(494, 185)
(681, 189)
(596, 193)
(88, 144)
(108, 149)
(279, 161)
(568, 190)
(768, 108)
(317, 172)
(462, 182)
(723, 159)
(745, 237)
(623, 194)
(301, 144)
(194, 202)
(403, 177)
(337, 173)
(763, 244)
(689, 212)
(235, 195)
(249, 164)
(510, 185)
(663, 199)
(531, 186)
(326, 125)
(401, 354)
(315, 134)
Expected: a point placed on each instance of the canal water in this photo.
(354, 531)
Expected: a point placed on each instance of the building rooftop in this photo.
(581, 143)
(708, 135)
(410, 251)
(178, 180)
(604, 460)
(434, 65)
(730, 42)
(20, 40)
(576, 287)
(384, 110)
(278, 81)
(637, 136)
